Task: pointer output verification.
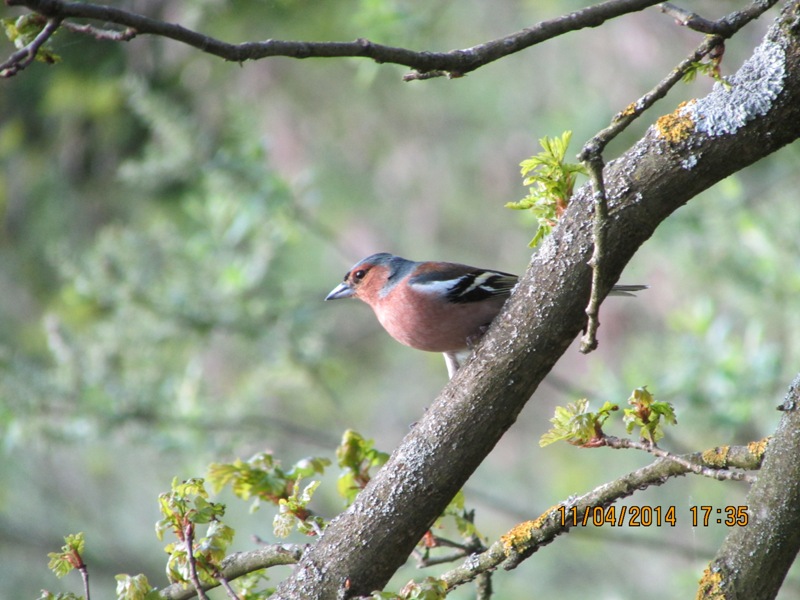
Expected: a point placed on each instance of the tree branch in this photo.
(240, 564)
(753, 561)
(724, 28)
(188, 539)
(689, 19)
(715, 471)
(592, 151)
(453, 63)
(594, 165)
(528, 537)
(101, 34)
(25, 56)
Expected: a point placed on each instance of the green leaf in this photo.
(45, 595)
(283, 523)
(551, 182)
(648, 414)
(248, 587)
(429, 589)
(70, 556)
(576, 424)
(356, 456)
(308, 466)
(135, 587)
(262, 478)
(293, 511)
(710, 69)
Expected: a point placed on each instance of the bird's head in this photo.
(371, 277)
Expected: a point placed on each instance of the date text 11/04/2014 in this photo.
(651, 516)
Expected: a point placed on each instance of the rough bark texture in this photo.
(686, 153)
(753, 561)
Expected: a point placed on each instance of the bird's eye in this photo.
(359, 275)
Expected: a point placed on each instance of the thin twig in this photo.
(427, 561)
(472, 545)
(228, 589)
(633, 111)
(102, 34)
(483, 586)
(25, 56)
(524, 539)
(591, 154)
(84, 571)
(188, 539)
(689, 19)
(694, 467)
(594, 164)
(727, 26)
(453, 63)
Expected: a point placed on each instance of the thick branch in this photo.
(455, 62)
(753, 561)
(707, 141)
(240, 564)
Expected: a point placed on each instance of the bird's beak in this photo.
(343, 290)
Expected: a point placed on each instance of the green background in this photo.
(170, 223)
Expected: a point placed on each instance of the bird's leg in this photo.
(473, 340)
(452, 362)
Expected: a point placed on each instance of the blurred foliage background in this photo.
(170, 223)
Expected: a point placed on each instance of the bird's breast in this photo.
(433, 324)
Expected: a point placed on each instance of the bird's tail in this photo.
(627, 290)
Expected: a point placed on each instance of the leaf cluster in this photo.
(185, 507)
(648, 414)
(579, 426)
(429, 588)
(262, 478)
(357, 457)
(45, 595)
(551, 181)
(463, 519)
(70, 556)
(576, 425)
(710, 68)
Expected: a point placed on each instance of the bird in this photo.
(430, 305)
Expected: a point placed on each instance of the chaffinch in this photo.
(433, 306)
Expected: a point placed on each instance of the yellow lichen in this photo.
(717, 457)
(676, 126)
(710, 586)
(519, 537)
(627, 111)
(516, 539)
(757, 448)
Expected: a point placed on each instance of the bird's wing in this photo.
(460, 283)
